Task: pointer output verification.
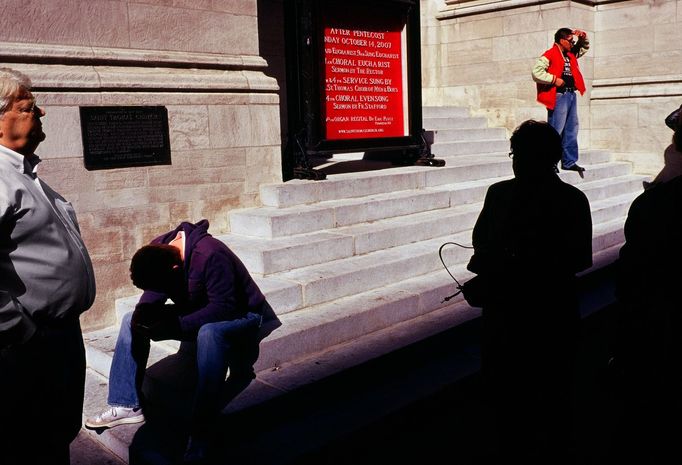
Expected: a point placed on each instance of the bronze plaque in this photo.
(119, 137)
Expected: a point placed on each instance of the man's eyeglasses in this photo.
(27, 109)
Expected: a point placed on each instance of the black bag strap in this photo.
(440, 254)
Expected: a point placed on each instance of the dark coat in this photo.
(218, 285)
(530, 240)
(537, 228)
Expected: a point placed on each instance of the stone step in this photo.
(99, 349)
(600, 181)
(328, 281)
(603, 258)
(267, 256)
(468, 147)
(601, 171)
(607, 235)
(445, 112)
(346, 186)
(601, 189)
(273, 222)
(450, 135)
(394, 232)
(319, 327)
(457, 122)
(595, 156)
(610, 208)
(353, 275)
(356, 185)
(325, 325)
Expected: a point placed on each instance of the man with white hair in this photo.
(47, 282)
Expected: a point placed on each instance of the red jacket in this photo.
(547, 92)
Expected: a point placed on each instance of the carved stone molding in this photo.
(17, 52)
(636, 87)
(460, 8)
(90, 69)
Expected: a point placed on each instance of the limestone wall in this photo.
(479, 53)
(200, 59)
(638, 78)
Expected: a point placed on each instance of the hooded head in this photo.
(157, 267)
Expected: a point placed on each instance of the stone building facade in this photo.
(479, 53)
(218, 68)
(200, 59)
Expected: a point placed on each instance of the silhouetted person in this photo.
(672, 157)
(649, 315)
(533, 235)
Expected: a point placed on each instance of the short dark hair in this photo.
(562, 34)
(153, 266)
(677, 136)
(536, 147)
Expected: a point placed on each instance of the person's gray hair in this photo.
(11, 82)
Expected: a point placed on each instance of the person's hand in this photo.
(559, 82)
(580, 33)
(166, 327)
(156, 321)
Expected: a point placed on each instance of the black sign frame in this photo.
(305, 72)
(124, 136)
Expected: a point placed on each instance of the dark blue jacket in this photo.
(218, 285)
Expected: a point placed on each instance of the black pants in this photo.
(42, 387)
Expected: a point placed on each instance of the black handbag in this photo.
(473, 290)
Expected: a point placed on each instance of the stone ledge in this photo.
(639, 86)
(72, 54)
(460, 8)
(99, 78)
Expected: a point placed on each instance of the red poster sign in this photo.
(365, 75)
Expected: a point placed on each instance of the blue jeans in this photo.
(564, 118)
(219, 345)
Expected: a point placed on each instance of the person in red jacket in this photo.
(558, 76)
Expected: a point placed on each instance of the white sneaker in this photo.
(115, 416)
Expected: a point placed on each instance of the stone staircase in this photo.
(351, 265)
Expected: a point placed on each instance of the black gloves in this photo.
(158, 322)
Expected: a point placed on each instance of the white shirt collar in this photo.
(25, 165)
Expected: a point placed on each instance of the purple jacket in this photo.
(219, 287)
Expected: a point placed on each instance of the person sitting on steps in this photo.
(216, 304)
